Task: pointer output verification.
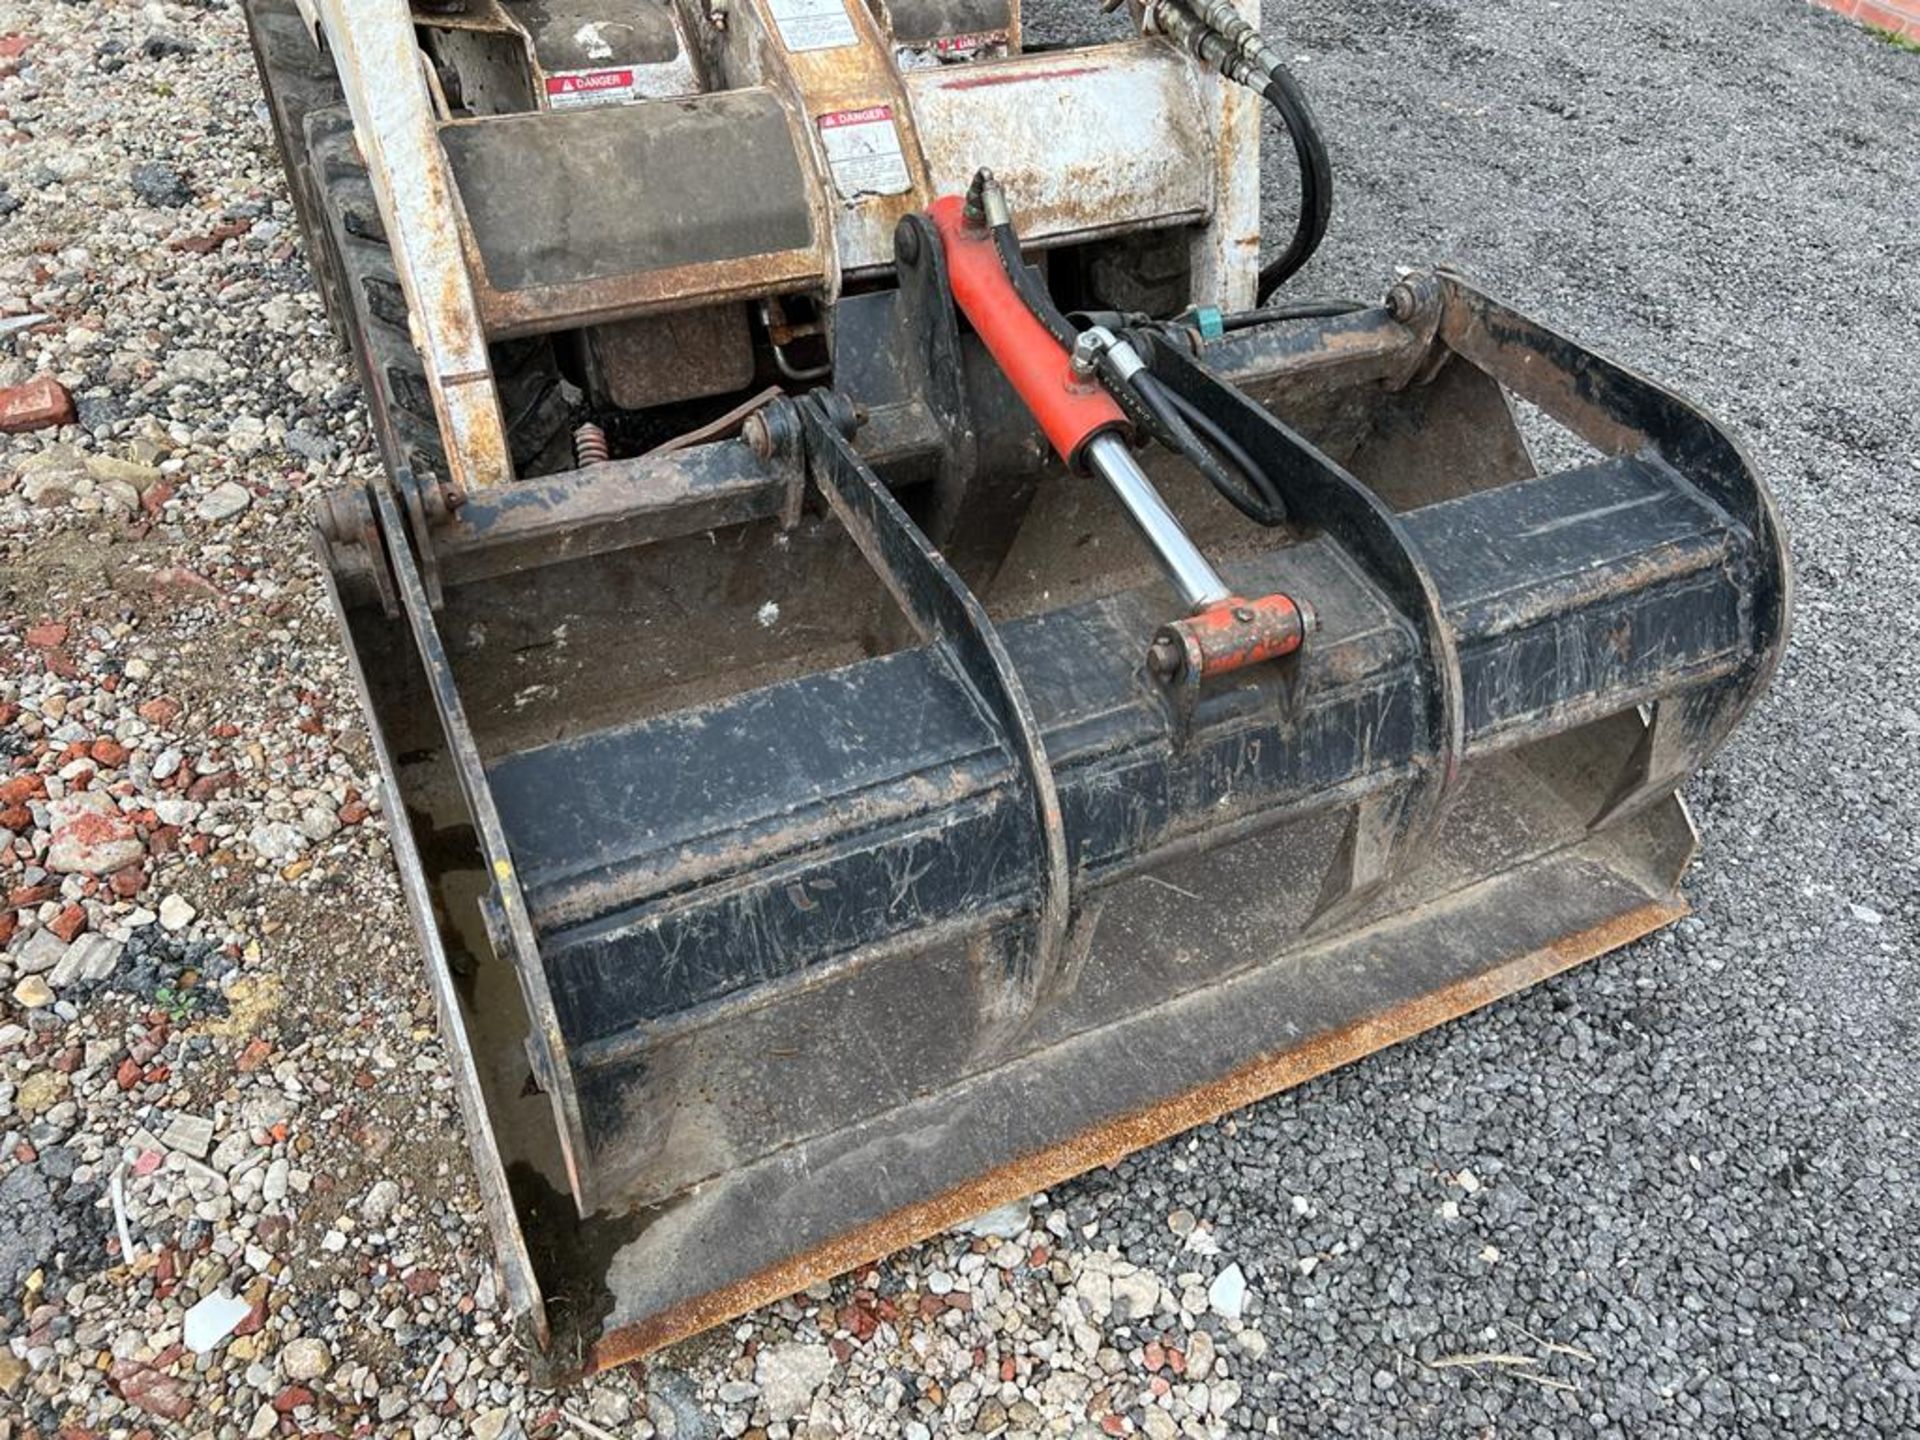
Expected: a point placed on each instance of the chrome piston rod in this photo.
(1191, 574)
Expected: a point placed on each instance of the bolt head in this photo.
(906, 243)
(1166, 656)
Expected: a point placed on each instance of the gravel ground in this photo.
(1669, 1194)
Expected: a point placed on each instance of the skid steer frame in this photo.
(1127, 102)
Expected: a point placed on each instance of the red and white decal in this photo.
(952, 50)
(572, 89)
(863, 152)
(958, 46)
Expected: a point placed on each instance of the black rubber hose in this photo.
(1032, 294)
(1299, 310)
(1256, 499)
(1316, 180)
(1236, 456)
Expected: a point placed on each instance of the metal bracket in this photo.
(1320, 493)
(425, 505)
(1622, 413)
(946, 613)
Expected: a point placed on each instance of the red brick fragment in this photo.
(47, 635)
(213, 239)
(161, 710)
(153, 1392)
(39, 404)
(208, 786)
(422, 1281)
(109, 752)
(68, 923)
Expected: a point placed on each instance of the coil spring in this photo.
(590, 445)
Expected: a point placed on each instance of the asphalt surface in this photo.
(1695, 1158)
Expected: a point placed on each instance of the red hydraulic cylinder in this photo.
(1069, 410)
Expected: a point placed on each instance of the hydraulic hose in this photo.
(1215, 34)
(1282, 92)
(1299, 310)
(1177, 422)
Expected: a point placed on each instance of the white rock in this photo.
(205, 366)
(189, 1134)
(231, 1151)
(789, 1374)
(1200, 1353)
(1227, 1296)
(496, 1424)
(246, 434)
(212, 1320)
(33, 993)
(306, 1359)
(224, 501)
(378, 1205)
(176, 913)
(276, 840)
(91, 836)
(39, 953)
(1135, 1296)
(92, 957)
(609, 1409)
(1003, 1222)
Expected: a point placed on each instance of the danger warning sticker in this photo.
(863, 152)
(813, 24)
(571, 89)
(952, 50)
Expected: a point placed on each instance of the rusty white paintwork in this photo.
(1226, 254)
(1088, 143)
(1092, 142)
(378, 57)
(679, 76)
(837, 79)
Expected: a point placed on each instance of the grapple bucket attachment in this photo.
(807, 856)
